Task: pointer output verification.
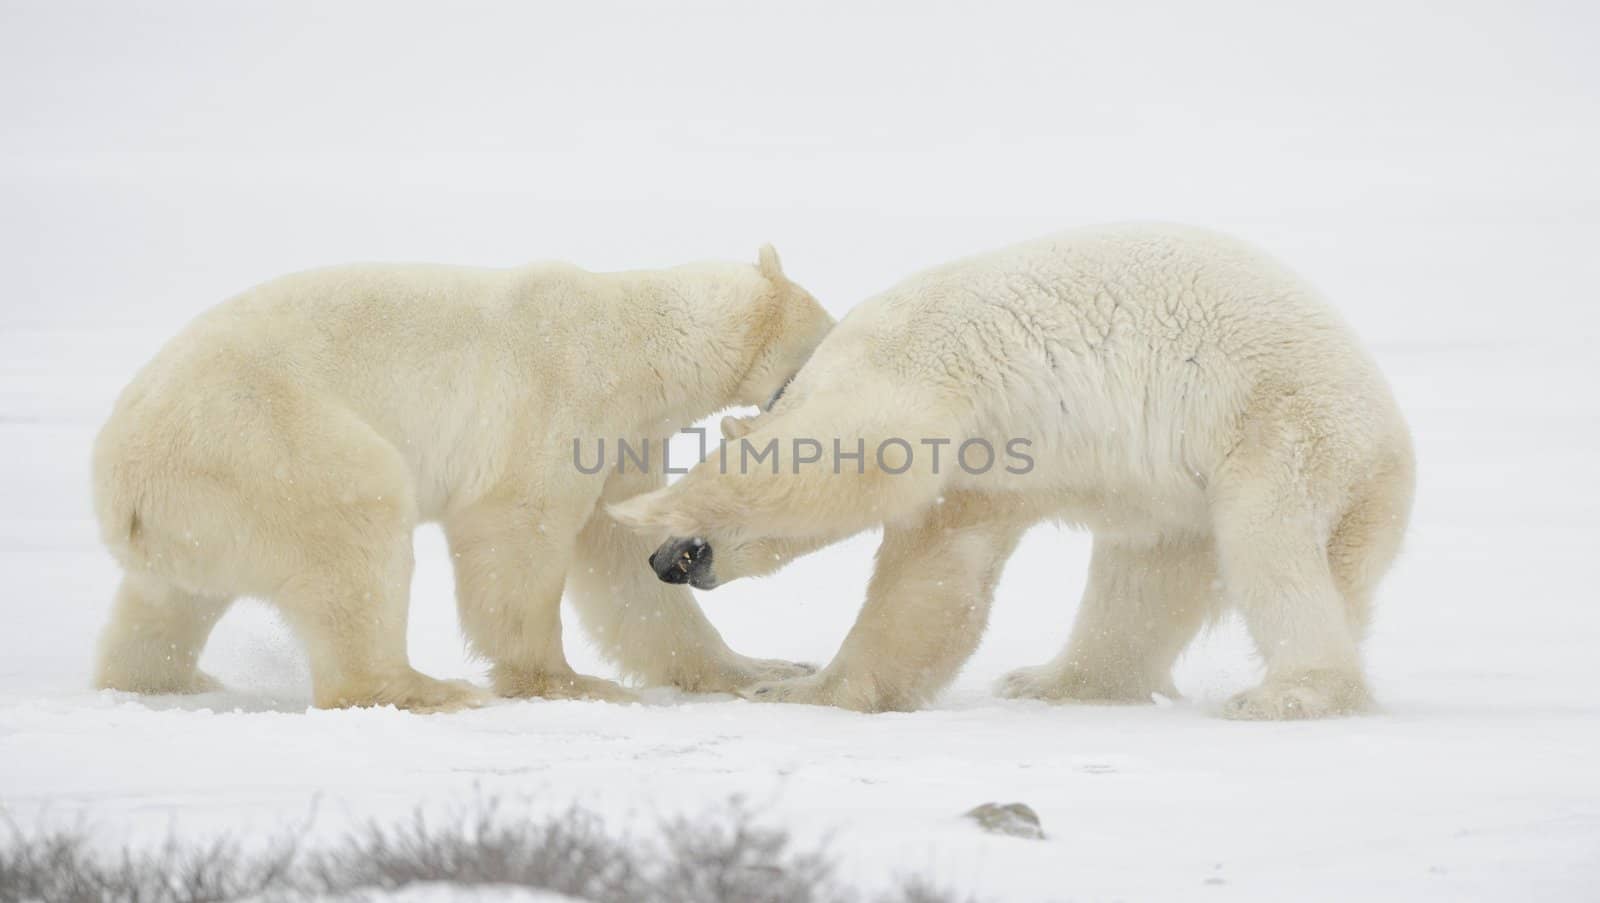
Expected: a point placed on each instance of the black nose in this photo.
(684, 561)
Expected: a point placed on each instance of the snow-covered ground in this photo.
(1432, 171)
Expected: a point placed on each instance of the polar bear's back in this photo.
(1136, 351)
(375, 336)
(1090, 290)
(263, 386)
(1136, 299)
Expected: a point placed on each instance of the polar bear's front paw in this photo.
(1314, 694)
(1037, 682)
(804, 690)
(1054, 683)
(407, 689)
(522, 683)
(431, 696)
(827, 689)
(741, 672)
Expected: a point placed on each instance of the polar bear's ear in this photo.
(769, 265)
(737, 427)
(650, 511)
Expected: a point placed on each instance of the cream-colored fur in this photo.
(287, 443)
(1195, 405)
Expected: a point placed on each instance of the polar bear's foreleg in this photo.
(828, 499)
(1145, 600)
(1271, 545)
(927, 606)
(511, 556)
(766, 555)
(653, 630)
(154, 638)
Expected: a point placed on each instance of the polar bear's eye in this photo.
(778, 394)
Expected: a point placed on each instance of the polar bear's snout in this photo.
(684, 561)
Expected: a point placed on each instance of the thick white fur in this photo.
(287, 442)
(1191, 402)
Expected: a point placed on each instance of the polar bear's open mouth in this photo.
(684, 561)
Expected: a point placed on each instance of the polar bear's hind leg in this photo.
(1367, 538)
(154, 638)
(1274, 560)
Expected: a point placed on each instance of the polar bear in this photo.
(1192, 403)
(286, 444)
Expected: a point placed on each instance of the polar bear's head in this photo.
(788, 327)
